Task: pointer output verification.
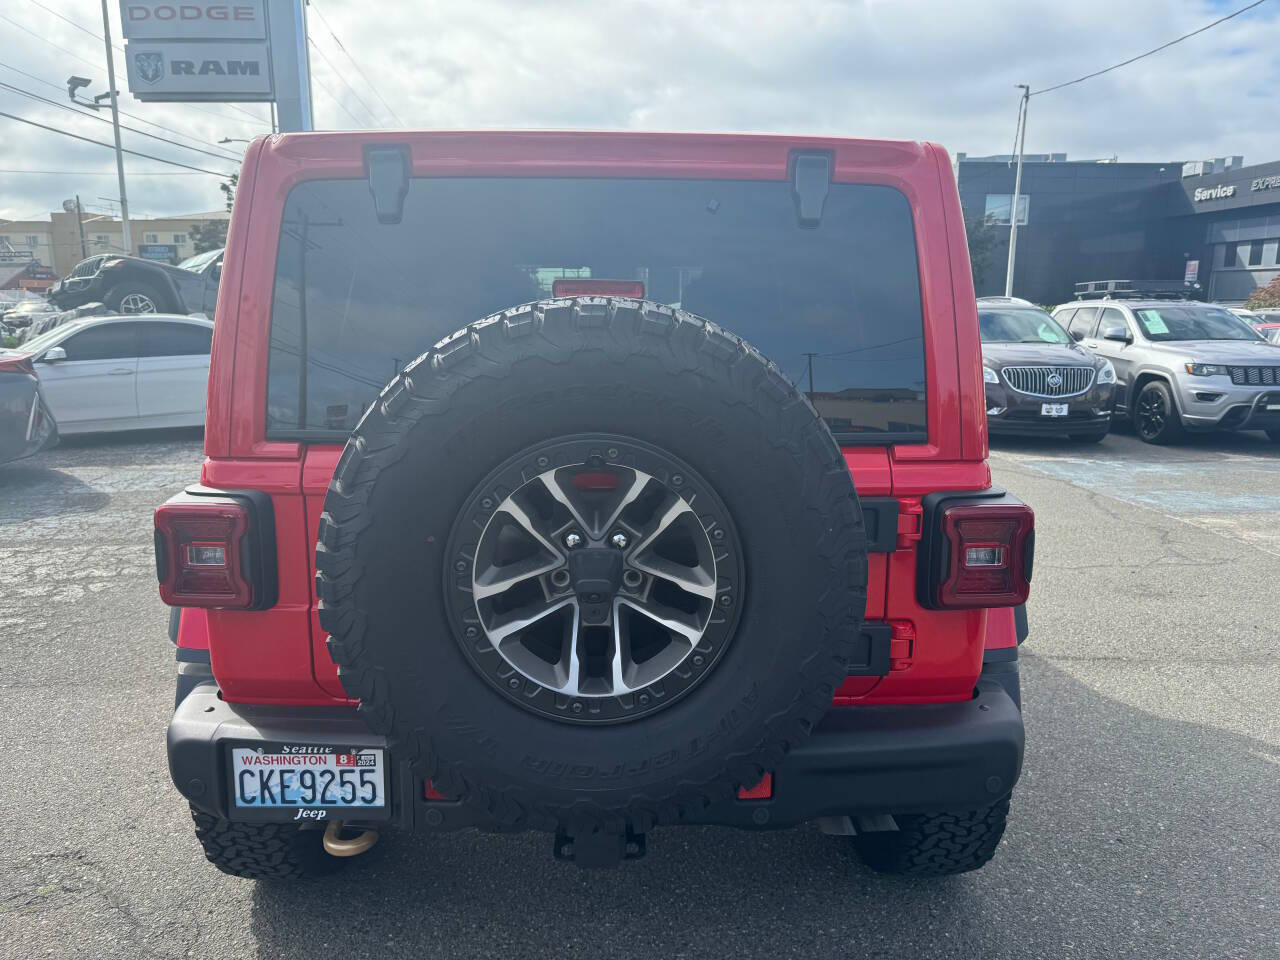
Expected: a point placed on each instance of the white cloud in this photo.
(938, 71)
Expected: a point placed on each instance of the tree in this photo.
(983, 238)
(212, 234)
(1268, 296)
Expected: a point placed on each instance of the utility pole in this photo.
(1017, 189)
(115, 126)
(84, 252)
(810, 357)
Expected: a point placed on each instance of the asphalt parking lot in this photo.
(1147, 822)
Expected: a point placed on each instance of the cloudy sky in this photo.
(942, 71)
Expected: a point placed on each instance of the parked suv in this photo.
(1039, 382)
(512, 516)
(1180, 365)
(135, 285)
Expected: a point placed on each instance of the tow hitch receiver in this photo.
(597, 850)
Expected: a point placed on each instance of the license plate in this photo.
(1273, 406)
(1053, 409)
(308, 781)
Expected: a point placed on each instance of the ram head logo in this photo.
(149, 66)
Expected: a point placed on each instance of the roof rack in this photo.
(1142, 290)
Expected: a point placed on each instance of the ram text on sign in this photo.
(183, 70)
(211, 20)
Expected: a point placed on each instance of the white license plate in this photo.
(1053, 409)
(308, 779)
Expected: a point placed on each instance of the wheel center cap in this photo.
(595, 571)
(596, 575)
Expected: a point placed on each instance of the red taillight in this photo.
(579, 287)
(988, 555)
(21, 364)
(200, 554)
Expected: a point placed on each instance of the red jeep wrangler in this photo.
(513, 517)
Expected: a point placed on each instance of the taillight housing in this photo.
(216, 550)
(976, 550)
(987, 554)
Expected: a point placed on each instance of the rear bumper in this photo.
(860, 761)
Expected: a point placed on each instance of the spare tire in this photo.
(592, 562)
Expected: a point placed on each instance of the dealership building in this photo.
(1214, 224)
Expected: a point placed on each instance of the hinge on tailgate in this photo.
(910, 522)
(902, 643)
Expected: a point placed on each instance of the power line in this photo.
(93, 116)
(376, 92)
(1163, 46)
(124, 113)
(98, 66)
(372, 117)
(67, 19)
(133, 153)
(95, 173)
(342, 106)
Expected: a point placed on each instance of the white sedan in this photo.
(124, 373)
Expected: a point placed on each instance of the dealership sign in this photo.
(197, 51)
(1220, 192)
(161, 20)
(231, 71)
(1266, 183)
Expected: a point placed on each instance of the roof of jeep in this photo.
(583, 147)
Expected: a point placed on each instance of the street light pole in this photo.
(1017, 190)
(115, 126)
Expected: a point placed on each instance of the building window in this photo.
(998, 204)
(179, 238)
(100, 239)
(1231, 255)
(33, 241)
(4, 241)
(151, 238)
(1255, 253)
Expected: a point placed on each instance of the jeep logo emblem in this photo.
(150, 66)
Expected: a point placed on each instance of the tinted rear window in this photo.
(837, 307)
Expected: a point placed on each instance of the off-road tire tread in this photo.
(262, 851)
(936, 845)
(619, 328)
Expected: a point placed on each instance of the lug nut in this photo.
(560, 578)
(573, 540)
(619, 540)
(632, 578)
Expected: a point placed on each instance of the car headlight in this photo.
(1108, 372)
(989, 375)
(1204, 369)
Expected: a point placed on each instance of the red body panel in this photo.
(279, 656)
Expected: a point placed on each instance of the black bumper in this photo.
(860, 761)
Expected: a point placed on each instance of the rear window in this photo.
(836, 307)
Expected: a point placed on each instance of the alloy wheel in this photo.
(603, 582)
(137, 303)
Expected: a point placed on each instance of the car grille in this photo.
(1255, 376)
(87, 268)
(1049, 381)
